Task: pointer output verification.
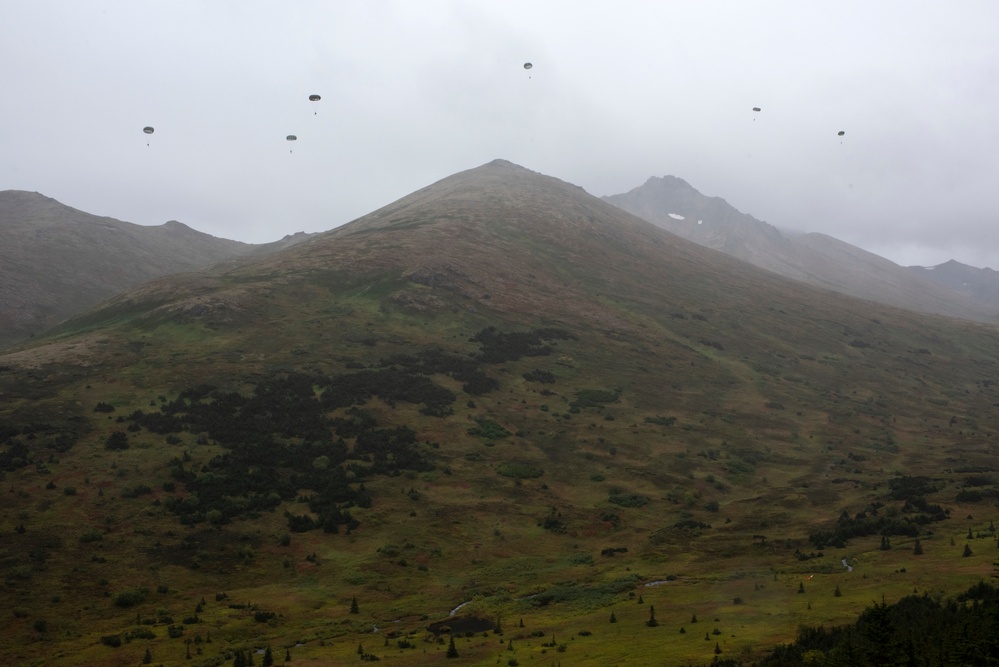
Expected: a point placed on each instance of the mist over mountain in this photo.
(981, 285)
(56, 260)
(498, 415)
(816, 259)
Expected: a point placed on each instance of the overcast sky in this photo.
(413, 91)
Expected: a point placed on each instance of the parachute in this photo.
(314, 98)
(840, 133)
(528, 65)
(756, 109)
(148, 130)
(291, 137)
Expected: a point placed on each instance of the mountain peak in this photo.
(499, 162)
(669, 180)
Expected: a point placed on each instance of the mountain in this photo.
(981, 285)
(56, 261)
(499, 418)
(817, 259)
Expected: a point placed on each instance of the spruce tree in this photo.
(452, 652)
(652, 622)
(967, 551)
(147, 658)
(354, 609)
(613, 618)
(268, 658)
(917, 548)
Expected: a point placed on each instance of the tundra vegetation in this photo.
(524, 456)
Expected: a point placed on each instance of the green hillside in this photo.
(499, 415)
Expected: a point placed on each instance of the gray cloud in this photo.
(413, 92)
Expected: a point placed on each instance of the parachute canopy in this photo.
(291, 137)
(840, 133)
(756, 108)
(147, 130)
(314, 98)
(528, 65)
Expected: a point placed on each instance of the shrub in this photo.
(519, 470)
(117, 441)
(130, 598)
(628, 499)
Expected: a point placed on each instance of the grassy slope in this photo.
(773, 389)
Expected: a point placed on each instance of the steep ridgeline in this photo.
(817, 259)
(498, 418)
(56, 261)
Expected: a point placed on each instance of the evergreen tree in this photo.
(693, 618)
(917, 548)
(354, 609)
(452, 652)
(640, 600)
(613, 618)
(838, 593)
(967, 551)
(652, 622)
(287, 655)
(268, 658)
(801, 587)
(360, 649)
(239, 660)
(147, 658)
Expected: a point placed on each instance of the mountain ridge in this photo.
(56, 260)
(813, 258)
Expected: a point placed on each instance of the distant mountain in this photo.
(816, 259)
(981, 285)
(56, 261)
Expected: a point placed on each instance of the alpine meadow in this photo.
(496, 422)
